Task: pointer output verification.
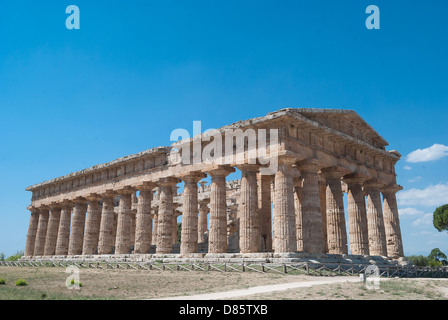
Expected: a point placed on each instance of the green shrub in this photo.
(433, 263)
(2, 281)
(419, 261)
(21, 282)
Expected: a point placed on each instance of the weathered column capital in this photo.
(354, 178)
(394, 188)
(146, 186)
(54, 206)
(127, 190)
(219, 171)
(168, 182)
(308, 165)
(109, 194)
(332, 172)
(192, 177)
(372, 184)
(92, 197)
(78, 201)
(33, 209)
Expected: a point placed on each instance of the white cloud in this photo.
(435, 152)
(409, 212)
(415, 179)
(431, 196)
(407, 168)
(426, 220)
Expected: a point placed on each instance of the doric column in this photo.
(298, 211)
(52, 230)
(217, 240)
(77, 229)
(248, 213)
(264, 207)
(143, 233)
(336, 229)
(41, 233)
(32, 230)
(123, 238)
(64, 229)
(312, 235)
(165, 216)
(391, 222)
(134, 204)
(284, 219)
(107, 225)
(189, 235)
(375, 221)
(202, 220)
(323, 208)
(357, 219)
(93, 223)
(154, 226)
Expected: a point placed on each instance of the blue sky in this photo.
(136, 70)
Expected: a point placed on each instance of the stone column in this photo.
(264, 207)
(375, 221)
(202, 221)
(93, 223)
(189, 236)
(52, 231)
(217, 240)
(32, 230)
(298, 211)
(248, 213)
(165, 216)
(143, 233)
(123, 238)
(154, 226)
(323, 208)
(284, 219)
(134, 201)
(312, 235)
(77, 229)
(336, 228)
(64, 229)
(41, 233)
(391, 222)
(107, 225)
(359, 241)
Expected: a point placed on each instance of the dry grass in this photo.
(49, 283)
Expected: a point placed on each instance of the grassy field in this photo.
(50, 284)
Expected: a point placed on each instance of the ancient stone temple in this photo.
(296, 166)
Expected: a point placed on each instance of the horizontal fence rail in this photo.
(308, 268)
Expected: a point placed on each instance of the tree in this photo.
(16, 257)
(2, 256)
(419, 261)
(440, 218)
(438, 256)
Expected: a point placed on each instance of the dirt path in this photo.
(264, 289)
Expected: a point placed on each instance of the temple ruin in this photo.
(130, 207)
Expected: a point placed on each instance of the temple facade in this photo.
(296, 166)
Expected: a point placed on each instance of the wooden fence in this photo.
(308, 268)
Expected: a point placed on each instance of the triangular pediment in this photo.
(345, 121)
